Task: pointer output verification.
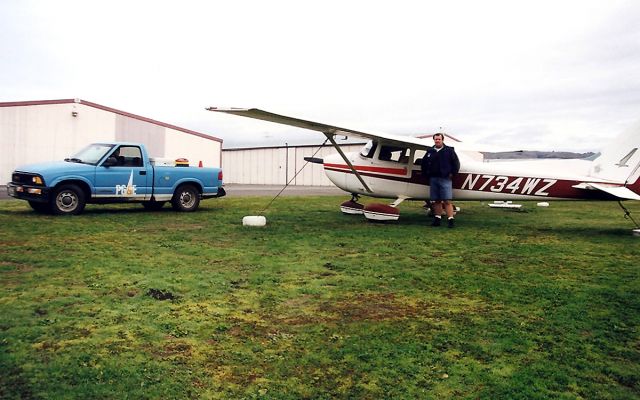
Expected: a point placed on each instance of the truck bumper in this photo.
(27, 192)
(221, 193)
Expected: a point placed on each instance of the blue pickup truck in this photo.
(111, 173)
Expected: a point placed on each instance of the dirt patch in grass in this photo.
(355, 308)
(15, 268)
(159, 294)
(374, 307)
(176, 348)
(492, 260)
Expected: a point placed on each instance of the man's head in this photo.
(438, 140)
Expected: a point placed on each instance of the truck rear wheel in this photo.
(67, 200)
(186, 198)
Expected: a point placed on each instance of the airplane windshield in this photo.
(369, 149)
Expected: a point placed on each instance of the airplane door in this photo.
(418, 187)
(393, 171)
(127, 180)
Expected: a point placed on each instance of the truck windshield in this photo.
(91, 154)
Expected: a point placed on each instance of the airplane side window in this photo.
(404, 156)
(417, 157)
(392, 153)
(369, 149)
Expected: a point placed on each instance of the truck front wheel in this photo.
(67, 200)
(186, 198)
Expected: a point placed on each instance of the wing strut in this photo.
(329, 136)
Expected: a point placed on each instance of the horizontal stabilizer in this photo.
(618, 191)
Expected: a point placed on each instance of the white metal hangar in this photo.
(47, 130)
(278, 165)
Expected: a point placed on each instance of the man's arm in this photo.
(455, 161)
(424, 164)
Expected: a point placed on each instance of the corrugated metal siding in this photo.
(277, 165)
(194, 148)
(41, 133)
(134, 130)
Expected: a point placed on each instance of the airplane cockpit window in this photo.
(417, 157)
(369, 149)
(393, 153)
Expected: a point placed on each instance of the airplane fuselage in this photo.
(499, 180)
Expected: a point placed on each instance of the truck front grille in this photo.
(23, 178)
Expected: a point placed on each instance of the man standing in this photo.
(440, 164)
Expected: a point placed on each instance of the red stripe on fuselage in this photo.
(517, 185)
(367, 168)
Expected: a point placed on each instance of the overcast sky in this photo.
(545, 75)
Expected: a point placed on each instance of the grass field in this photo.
(125, 303)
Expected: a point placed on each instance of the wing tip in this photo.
(228, 109)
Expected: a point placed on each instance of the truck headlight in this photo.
(37, 180)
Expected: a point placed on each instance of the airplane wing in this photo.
(320, 127)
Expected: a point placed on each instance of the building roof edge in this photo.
(109, 109)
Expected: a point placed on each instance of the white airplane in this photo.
(613, 175)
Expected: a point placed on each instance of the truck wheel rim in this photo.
(187, 199)
(67, 201)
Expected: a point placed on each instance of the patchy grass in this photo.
(121, 302)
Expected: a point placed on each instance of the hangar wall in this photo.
(277, 165)
(38, 131)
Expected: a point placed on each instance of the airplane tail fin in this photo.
(619, 162)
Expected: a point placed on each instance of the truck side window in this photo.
(129, 156)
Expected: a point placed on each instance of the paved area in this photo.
(237, 190)
(3, 192)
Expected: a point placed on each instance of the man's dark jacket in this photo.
(443, 163)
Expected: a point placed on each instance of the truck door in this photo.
(128, 179)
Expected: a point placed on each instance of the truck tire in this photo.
(186, 198)
(67, 200)
(38, 207)
(153, 205)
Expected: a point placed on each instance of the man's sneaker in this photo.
(450, 223)
(436, 222)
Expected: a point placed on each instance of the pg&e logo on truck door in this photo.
(126, 190)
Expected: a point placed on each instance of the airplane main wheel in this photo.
(352, 207)
(381, 212)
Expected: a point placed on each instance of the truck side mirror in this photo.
(110, 162)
